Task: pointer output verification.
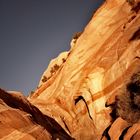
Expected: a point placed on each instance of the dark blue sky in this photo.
(32, 32)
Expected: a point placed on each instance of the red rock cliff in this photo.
(92, 91)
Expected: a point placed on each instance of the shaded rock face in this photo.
(20, 119)
(127, 102)
(87, 92)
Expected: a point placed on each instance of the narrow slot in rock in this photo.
(81, 98)
(136, 35)
(123, 133)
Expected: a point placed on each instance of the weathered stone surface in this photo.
(19, 119)
(79, 88)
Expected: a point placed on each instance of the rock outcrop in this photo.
(82, 93)
(19, 119)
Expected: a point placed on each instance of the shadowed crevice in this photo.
(105, 133)
(81, 98)
(136, 35)
(123, 133)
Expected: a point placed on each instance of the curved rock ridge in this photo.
(19, 119)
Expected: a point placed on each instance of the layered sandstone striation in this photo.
(19, 119)
(79, 94)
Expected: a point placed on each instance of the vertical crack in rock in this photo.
(81, 98)
(136, 35)
(65, 125)
(123, 133)
(105, 133)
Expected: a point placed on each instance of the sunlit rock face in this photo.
(81, 87)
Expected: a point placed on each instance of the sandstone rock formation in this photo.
(19, 119)
(82, 93)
